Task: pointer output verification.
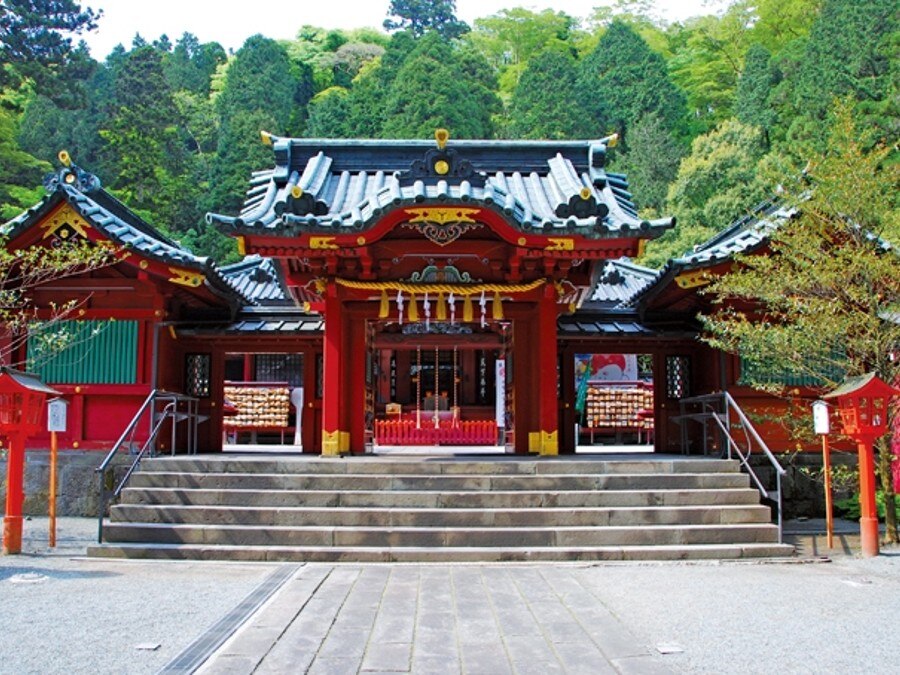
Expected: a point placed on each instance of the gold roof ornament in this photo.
(266, 137)
(441, 136)
(64, 158)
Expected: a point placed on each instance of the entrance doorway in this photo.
(439, 385)
(614, 402)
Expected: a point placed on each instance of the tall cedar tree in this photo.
(435, 87)
(421, 16)
(623, 80)
(829, 292)
(651, 162)
(544, 104)
(852, 50)
(35, 45)
(260, 93)
(752, 105)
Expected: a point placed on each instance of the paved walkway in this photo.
(61, 613)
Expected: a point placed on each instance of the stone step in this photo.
(434, 499)
(440, 517)
(439, 555)
(443, 483)
(390, 537)
(499, 465)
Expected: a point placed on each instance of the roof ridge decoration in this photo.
(72, 175)
(441, 162)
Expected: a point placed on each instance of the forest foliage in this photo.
(703, 107)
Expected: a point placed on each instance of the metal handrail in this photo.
(718, 407)
(157, 420)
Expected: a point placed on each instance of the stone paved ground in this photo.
(65, 614)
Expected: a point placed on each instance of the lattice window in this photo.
(280, 368)
(678, 376)
(197, 369)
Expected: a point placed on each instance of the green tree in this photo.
(622, 80)
(651, 163)
(754, 87)
(510, 39)
(421, 16)
(853, 49)
(259, 93)
(328, 114)
(36, 45)
(719, 181)
(830, 289)
(191, 64)
(544, 104)
(19, 171)
(436, 88)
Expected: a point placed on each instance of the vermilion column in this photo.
(547, 358)
(868, 521)
(335, 440)
(15, 495)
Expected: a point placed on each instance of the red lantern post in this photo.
(22, 399)
(863, 403)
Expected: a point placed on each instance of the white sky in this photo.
(230, 22)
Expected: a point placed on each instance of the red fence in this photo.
(448, 432)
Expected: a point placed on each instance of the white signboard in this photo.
(500, 381)
(820, 417)
(56, 414)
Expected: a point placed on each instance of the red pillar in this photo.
(868, 522)
(546, 357)
(15, 494)
(335, 438)
(355, 382)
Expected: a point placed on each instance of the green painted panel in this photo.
(85, 352)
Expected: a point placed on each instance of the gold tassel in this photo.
(467, 309)
(441, 308)
(385, 308)
(498, 307)
(413, 310)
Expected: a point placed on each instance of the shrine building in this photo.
(392, 293)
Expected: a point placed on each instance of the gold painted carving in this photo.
(335, 442)
(63, 219)
(442, 225)
(560, 244)
(323, 243)
(549, 443)
(693, 279)
(186, 277)
(442, 215)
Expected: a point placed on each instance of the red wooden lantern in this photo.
(863, 403)
(22, 398)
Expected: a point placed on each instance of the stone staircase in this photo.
(370, 509)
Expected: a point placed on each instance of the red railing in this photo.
(448, 432)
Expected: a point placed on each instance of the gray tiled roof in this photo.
(258, 279)
(743, 236)
(83, 192)
(324, 185)
(619, 280)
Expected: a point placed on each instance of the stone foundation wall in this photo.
(803, 495)
(77, 483)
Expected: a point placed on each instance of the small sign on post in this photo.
(57, 413)
(822, 426)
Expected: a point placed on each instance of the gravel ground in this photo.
(63, 614)
(814, 617)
